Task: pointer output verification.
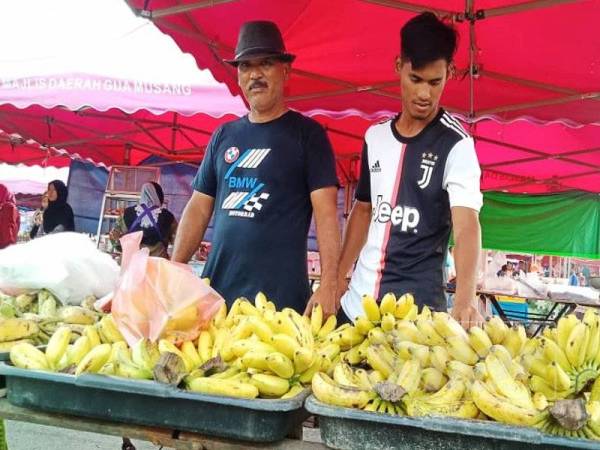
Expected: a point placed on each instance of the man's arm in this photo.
(355, 237)
(467, 238)
(324, 203)
(195, 219)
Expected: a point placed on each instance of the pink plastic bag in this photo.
(156, 298)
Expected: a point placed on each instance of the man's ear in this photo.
(287, 69)
(398, 64)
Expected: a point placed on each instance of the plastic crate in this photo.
(349, 429)
(153, 404)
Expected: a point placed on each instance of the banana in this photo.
(429, 335)
(363, 325)
(26, 356)
(92, 334)
(557, 378)
(126, 370)
(94, 360)
(316, 319)
(450, 393)
(595, 391)
(205, 345)
(592, 320)
(448, 327)
(518, 372)
(353, 356)
(425, 313)
(480, 371)
(241, 347)
(575, 344)
(285, 344)
(259, 327)
(15, 329)
(516, 392)
(303, 359)
(295, 390)
(362, 378)
(108, 369)
(459, 349)
(270, 385)
(165, 346)
(371, 308)
(232, 313)
(387, 304)
(409, 376)
(350, 337)
(502, 410)
(540, 401)
(307, 376)
(57, 345)
(189, 349)
(227, 374)
(412, 313)
(329, 352)
(404, 306)
(77, 315)
(502, 354)
(343, 374)
(248, 309)
(409, 350)
(439, 358)
(515, 340)
(280, 365)
(327, 327)
(378, 362)
(261, 301)
(108, 328)
(301, 326)
(539, 384)
(387, 322)
(496, 329)
(78, 350)
(432, 380)
(328, 391)
(145, 354)
(535, 364)
(563, 329)
(373, 405)
(375, 377)
(553, 352)
(458, 370)
(406, 330)
(255, 359)
(479, 341)
(377, 336)
(229, 388)
(5, 347)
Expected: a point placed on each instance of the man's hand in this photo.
(326, 296)
(467, 314)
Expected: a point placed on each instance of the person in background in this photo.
(37, 229)
(573, 279)
(149, 216)
(58, 216)
(9, 218)
(502, 272)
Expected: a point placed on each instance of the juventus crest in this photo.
(427, 163)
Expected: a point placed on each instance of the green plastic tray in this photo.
(154, 404)
(349, 429)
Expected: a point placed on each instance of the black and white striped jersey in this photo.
(411, 184)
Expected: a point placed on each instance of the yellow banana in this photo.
(593, 348)
(456, 369)
(375, 377)
(280, 365)
(165, 346)
(255, 359)
(316, 319)
(126, 370)
(218, 319)
(378, 362)
(363, 325)
(328, 391)
(327, 327)
(94, 360)
(563, 329)
(189, 349)
(92, 334)
(459, 349)
(447, 326)
(285, 344)
(362, 378)
(425, 313)
(516, 392)
(377, 336)
(57, 345)
(373, 405)
(388, 321)
(518, 372)
(343, 374)
(432, 380)
(502, 354)
(248, 309)
(409, 376)
(350, 337)
(480, 371)
(205, 346)
(429, 335)
(576, 349)
(439, 358)
(107, 369)
(303, 359)
(77, 315)
(557, 378)
(108, 329)
(26, 356)
(409, 350)
(329, 352)
(270, 385)
(301, 325)
(404, 306)
(261, 301)
(227, 374)
(595, 391)
(412, 313)
(307, 376)
(371, 308)
(449, 393)
(15, 329)
(241, 347)
(553, 352)
(295, 390)
(145, 354)
(225, 387)
(387, 304)
(540, 401)
(539, 384)
(515, 340)
(352, 356)
(535, 364)
(496, 329)
(78, 350)
(233, 312)
(502, 410)
(480, 341)
(260, 328)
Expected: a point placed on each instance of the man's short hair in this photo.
(425, 39)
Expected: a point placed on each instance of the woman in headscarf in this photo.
(9, 218)
(149, 216)
(58, 216)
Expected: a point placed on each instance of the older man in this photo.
(263, 175)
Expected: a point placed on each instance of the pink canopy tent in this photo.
(527, 85)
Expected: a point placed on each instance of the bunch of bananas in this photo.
(424, 363)
(32, 318)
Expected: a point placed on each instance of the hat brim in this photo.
(284, 57)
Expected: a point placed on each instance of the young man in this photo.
(263, 175)
(419, 179)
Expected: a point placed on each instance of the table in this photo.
(158, 436)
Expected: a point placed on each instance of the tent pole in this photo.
(164, 12)
(472, 67)
(525, 6)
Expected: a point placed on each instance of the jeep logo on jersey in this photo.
(406, 216)
(427, 163)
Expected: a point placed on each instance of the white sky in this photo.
(102, 37)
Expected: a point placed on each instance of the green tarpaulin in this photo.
(566, 224)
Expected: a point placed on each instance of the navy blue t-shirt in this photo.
(261, 176)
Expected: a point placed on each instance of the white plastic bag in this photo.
(67, 264)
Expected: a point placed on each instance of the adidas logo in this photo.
(376, 167)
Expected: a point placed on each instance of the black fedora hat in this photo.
(259, 39)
